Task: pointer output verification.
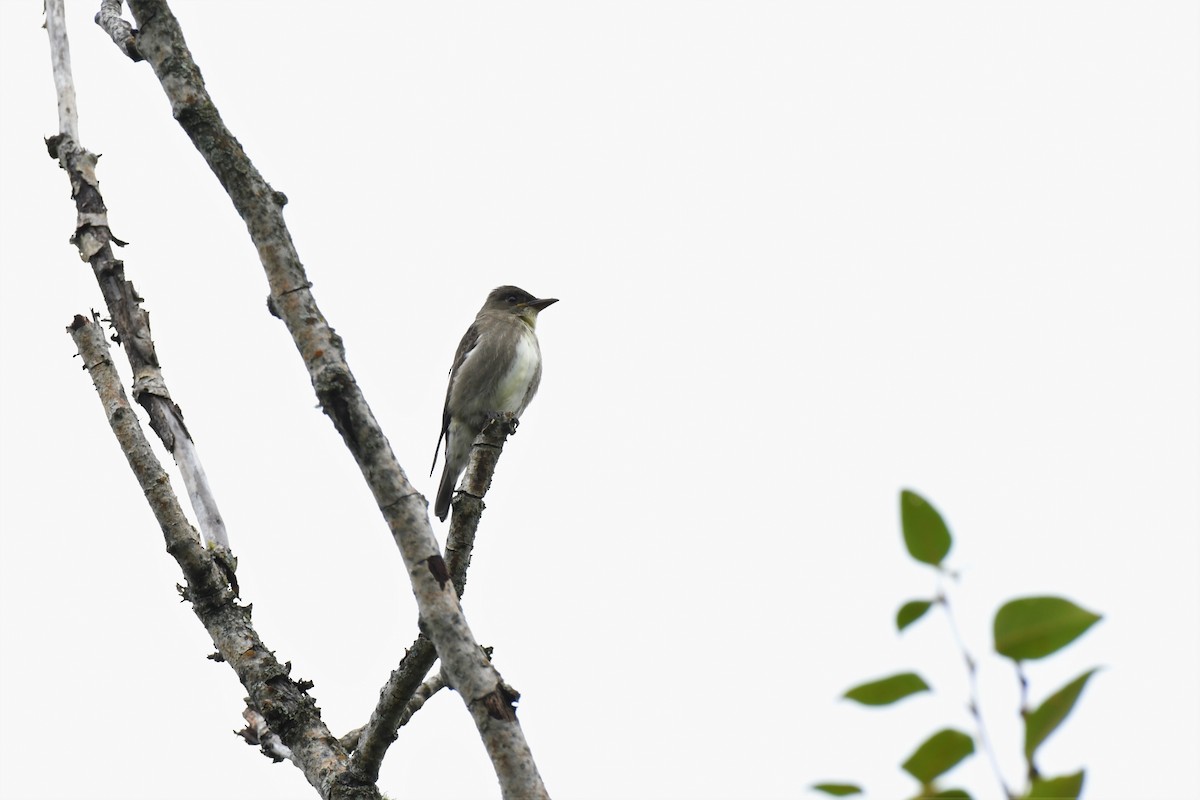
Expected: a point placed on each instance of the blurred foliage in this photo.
(1025, 629)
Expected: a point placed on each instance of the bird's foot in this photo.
(505, 418)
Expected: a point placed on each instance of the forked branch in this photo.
(284, 704)
(160, 41)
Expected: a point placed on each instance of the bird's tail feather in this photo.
(441, 506)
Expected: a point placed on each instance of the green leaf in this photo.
(886, 691)
(939, 754)
(948, 794)
(1035, 627)
(1043, 720)
(837, 789)
(925, 534)
(910, 612)
(1066, 787)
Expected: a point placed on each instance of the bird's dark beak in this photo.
(540, 305)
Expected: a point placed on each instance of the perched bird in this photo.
(496, 372)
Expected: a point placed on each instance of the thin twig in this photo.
(973, 691)
(425, 691)
(1031, 770)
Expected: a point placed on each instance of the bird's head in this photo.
(512, 300)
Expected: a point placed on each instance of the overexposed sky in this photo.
(807, 254)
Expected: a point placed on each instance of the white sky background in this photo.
(808, 254)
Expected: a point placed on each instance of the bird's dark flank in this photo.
(496, 372)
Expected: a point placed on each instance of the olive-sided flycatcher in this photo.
(496, 373)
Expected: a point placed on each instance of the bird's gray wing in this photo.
(469, 340)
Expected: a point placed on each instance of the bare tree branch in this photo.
(380, 731)
(397, 694)
(94, 239)
(120, 31)
(425, 691)
(212, 589)
(60, 60)
(289, 711)
(468, 506)
(490, 701)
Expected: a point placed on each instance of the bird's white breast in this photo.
(515, 385)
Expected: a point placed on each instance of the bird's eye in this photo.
(512, 298)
